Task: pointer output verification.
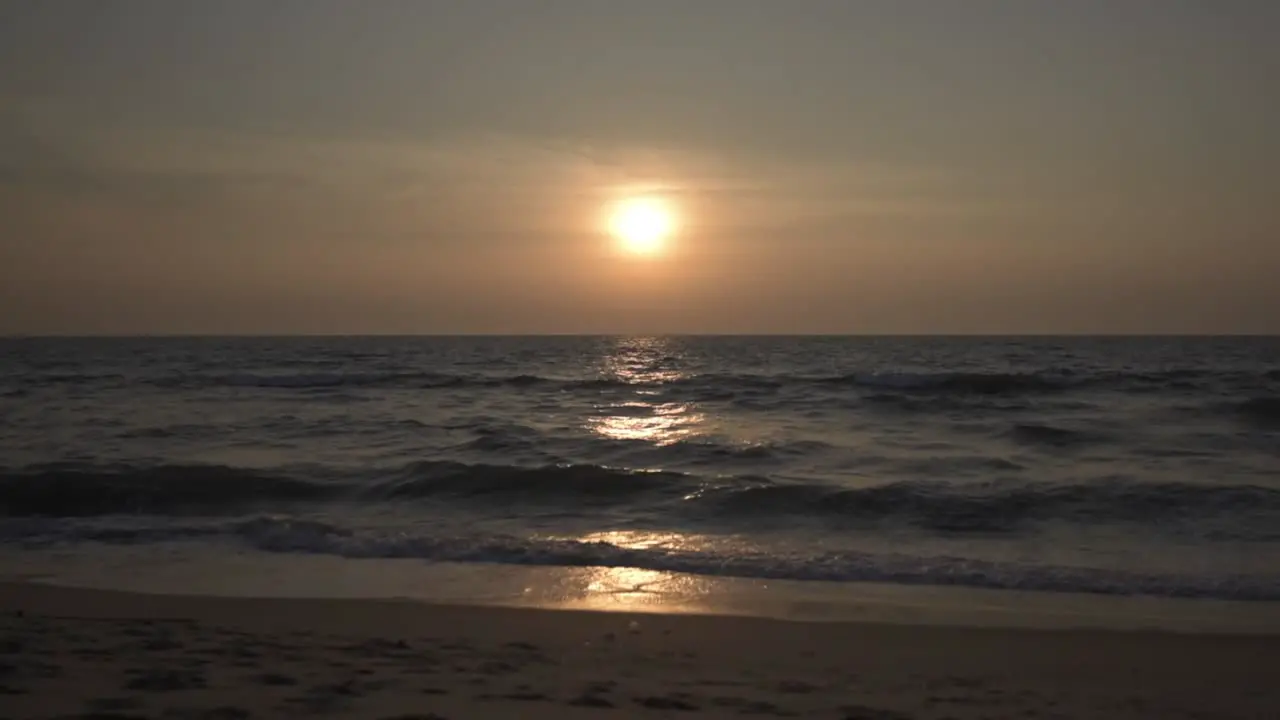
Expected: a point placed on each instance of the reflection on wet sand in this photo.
(623, 588)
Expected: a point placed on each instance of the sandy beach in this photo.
(112, 655)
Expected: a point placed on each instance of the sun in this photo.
(642, 225)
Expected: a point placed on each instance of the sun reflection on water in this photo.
(639, 361)
(647, 364)
(660, 424)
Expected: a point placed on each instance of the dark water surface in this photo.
(1108, 465)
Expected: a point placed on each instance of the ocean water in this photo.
(1117, 466)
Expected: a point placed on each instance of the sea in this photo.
(1107, 466)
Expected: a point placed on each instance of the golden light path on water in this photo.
(643, 418)
(660, 424)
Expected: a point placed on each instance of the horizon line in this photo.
(304, 335)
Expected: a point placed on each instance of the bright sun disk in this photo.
(642, 225)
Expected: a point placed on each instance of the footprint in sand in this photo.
(104, 715)
(223, 712)
(114, 704)
(751, 707)
(166, 680)
(860, 712)
(433, 691)
(797, 687)
(658, 702)
(591, 701)
(519, 695)
(161, 644)
(276, 680)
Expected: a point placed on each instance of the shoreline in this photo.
(211, 572)
(68, 651)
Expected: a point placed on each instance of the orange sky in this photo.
(837, 167)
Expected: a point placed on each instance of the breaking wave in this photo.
(277, 534)
(936, 506)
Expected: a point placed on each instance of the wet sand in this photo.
(112, 655)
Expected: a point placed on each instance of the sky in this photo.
(446, 166)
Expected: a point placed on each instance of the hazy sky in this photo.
(439, 166)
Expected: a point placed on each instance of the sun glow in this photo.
(642, 225)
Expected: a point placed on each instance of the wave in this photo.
(72, 378)
(1261, 410)
(72, 491)
(520, 444)
(276, 534)
(959, 383)
(714, 386)
(934, 506)
(315, 380)
(1051, 436)
(1003, 508)
(580, 485)
(711, 451)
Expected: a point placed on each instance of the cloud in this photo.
(444, 185)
